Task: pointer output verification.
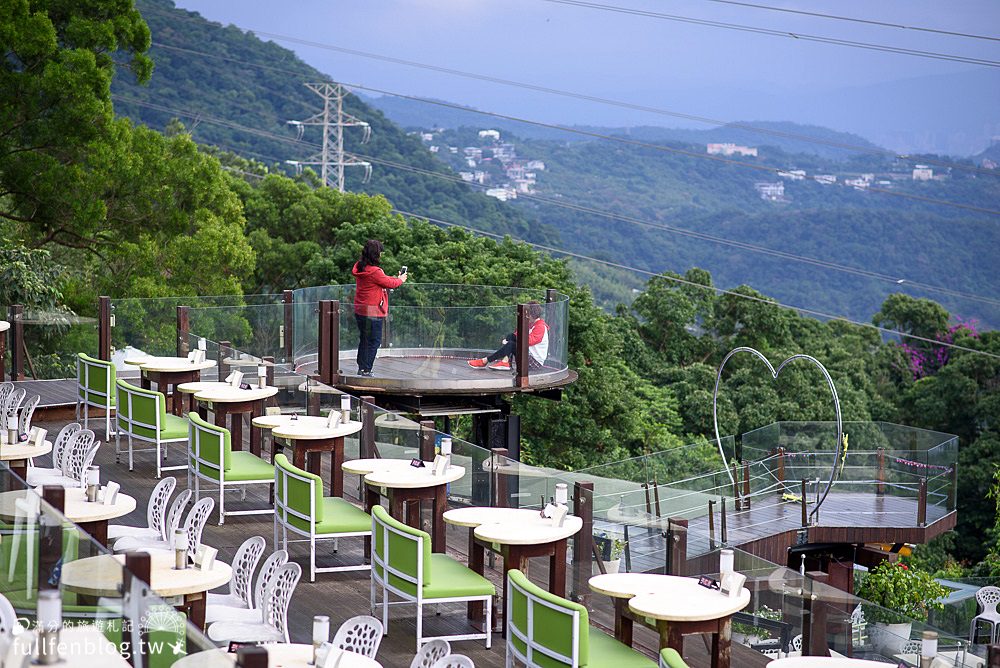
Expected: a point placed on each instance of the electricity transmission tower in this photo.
(333, 119)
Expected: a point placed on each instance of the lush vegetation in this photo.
(139, 213)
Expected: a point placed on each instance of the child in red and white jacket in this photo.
(538, 345)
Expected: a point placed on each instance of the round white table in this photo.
(824, 662)
(18, 454)
(405, 487)
(363, 467)
(678, 606)
(279, 655)
(169, 372)
(310, 440)
(226, 400)
(91, 517)
(286, 419)
(80, 647)
(516, 534)
(102, 576)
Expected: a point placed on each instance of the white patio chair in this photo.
(361, 635)
(455, 661)
(431, 653)
(59, 449)
(156, 511)
(223, 613)
(77, 456)
(194, 525)
(173, 521)
(13, 404)
(273, 626)
(26, 414)
(241, 585)
(988, 598)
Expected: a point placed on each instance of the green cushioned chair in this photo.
(95, 382)
(300, 507)
(547, 631)
(402, 563)
(211, 458)
(142, 415)
(669, 658)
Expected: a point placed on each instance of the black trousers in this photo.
(371, 338)
(508, 350)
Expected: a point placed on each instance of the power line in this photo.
(869, 46)
(578, 96)
(700, 286)
(853, 19)
(561, 203)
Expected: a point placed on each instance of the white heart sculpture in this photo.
(774, 375)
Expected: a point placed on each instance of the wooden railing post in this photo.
(521, 352)
(922, 503)
(814, 628)
(335, 342)
(427, 434)
(137, 568)
(723, 537)
(737, 500)
(16, 342)
(677, 535)
(805, 505)
(286, 335)
(583, 540)
(993, 656)
(500, 495)
(711, 524)
(746, 485)
(225, 352)
(325, 364)
(367, 446)
(781, 470)
(50, 533)
(953, 487)
(183, 331)
(104, 324)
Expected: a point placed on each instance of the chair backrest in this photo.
(401, 555)
(27, 413)
(13, 404)
(75, 455)
(95, 380)
(8, 618)
(175, 513)
(156, 509)
(988, 598)
(244, 564)
(274, 561)
(195, 523)
(543, 627)
(278, 595)
(209, 447)
(88, 460)
(431, 653)
(361, 635)
(61, 442)
(140, 412)
(669, 658)
(5, 390)
(298, 496)
(455, 661)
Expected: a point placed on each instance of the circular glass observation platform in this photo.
(432, 332)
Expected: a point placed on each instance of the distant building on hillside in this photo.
(490, 134)
(771, 192)
(502, 194)
(825, 179)
(793, 175)
(922, 173)
(427, 136)
(434, 149)
(535, 164)
(473, 152)
(731, 149)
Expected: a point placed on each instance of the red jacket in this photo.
(371, 297)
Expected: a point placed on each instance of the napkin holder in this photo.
(235, 378)
(333, 420)
(37, 436)
(111, 493)
(732, 584)
(204, 558)
(441, 463)
(196, 356)
(558, 515)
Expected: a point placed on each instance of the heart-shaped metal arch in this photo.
(774, 375)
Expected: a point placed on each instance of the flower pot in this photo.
(889, 639)
(609, 566)
(748, 640)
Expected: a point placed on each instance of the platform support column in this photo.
(183, 331)
(136, 576)
(505, 433)
(104, 324)
(286, 335)
(325, 362)
(676, 536)
(814, 620)
(16, 342)
(521, 353)
(583, 540)
(427, 434)
(367, 446)
(499, 480)
(922, 503)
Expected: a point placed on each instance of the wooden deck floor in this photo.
(343, 595)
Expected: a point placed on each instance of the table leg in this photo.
(255, 433)
(314, 461)
(721, 644)
(236, 429)
(557, 569)
(298, 457)
(671, 636)
(438, 535)
(193, 405)
(97, 530)
(19, 467)
(412, 509)
(144, 381)
(195, 604)
(220, 415)
(512, 558)
(623, 622)
(371, 498)
(337, 468)
(477, 563)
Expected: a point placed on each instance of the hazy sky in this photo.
(696, 69)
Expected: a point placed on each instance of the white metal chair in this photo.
(268, 570)
(273, 626)
(455, 661)
(988, 598)
(194, 525)
(59, 449)
(5, 390)
(241, 585)
(174, 516)
(14, 400)
(361, 635)
(95, 386)
(79, 453)
(142, 416)
(431, 653)
(9, 626)
(27, 413)
(156, 511)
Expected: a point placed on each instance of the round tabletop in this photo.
(79, 647)
(23, 451)
(537, 533)
(684, 600)
(272, 421)
(513, 467)
(4, 325)
(823, 662)
(169, 364)
(627, 585)
(393, 421)
(474, 516)
(412, 477)
(308, 432)
(102, 575)
(249, 360)
(201, 385)
(317, 388)
(282, 655)
(232, 395)
(77, 509)
(366, 466)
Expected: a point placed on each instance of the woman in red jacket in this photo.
(371, 302)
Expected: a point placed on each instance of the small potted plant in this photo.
(610, 550)
(750, 635)
(901, 594)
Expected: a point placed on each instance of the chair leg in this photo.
(222, 502)
(86, 416)
(385, 609)
(158, 473)
(19, 529)
(130, 462)
(489, 622)
(312, 558)
(420, 624)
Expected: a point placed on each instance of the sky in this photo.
(730, 75)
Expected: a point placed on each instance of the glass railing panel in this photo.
(52, 340)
